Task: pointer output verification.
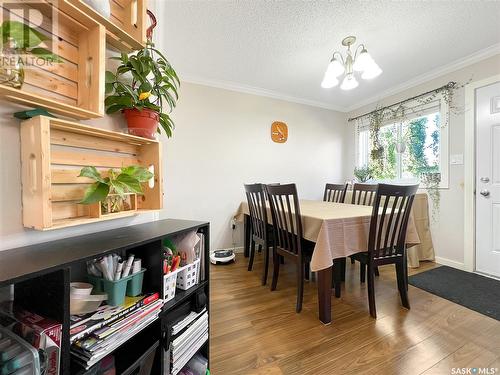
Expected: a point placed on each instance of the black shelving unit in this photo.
(41, 275)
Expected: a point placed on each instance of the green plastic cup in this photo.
(134, 286)
(116, 290)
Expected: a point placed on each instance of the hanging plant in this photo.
(431, 181)
(377, 152)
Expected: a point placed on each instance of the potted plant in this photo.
(17, 41)
(116, 192)
(142, 87)
(363, 174)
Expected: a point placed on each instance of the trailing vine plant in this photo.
(377, 151)
(431, 181)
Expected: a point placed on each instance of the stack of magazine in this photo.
(95, 335)
(189, 335)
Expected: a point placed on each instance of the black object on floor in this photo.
(476, 292)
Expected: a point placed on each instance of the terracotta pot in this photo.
(142, 123)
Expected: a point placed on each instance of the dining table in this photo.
(338, 231)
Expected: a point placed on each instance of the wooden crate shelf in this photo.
(125, 29)
(75, 87)
(53, 151)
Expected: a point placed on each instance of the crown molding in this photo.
(237, 87)
(448, 68)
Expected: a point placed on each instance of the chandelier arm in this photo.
(341, 57)
(362, 46)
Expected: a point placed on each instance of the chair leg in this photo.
(402, 284)
(371, 292)
(352, 260)
(376, 271)
(300, 285)
(282, 259)
(252, 254)
(342, 268)
(405, 267)
(276, 269)
(266, 265)
(260, 248)
(362, 272)
(307, 270)
(333, 279)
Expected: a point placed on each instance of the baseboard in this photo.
(450, 263)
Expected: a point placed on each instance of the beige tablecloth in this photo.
(340, 230)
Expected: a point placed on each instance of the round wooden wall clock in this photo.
(279, 132)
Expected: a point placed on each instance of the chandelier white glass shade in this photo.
(361, 62)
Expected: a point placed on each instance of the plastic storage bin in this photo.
(169, 285)
(17, 352)
(134, 286)
(187, 276)
(116, 290)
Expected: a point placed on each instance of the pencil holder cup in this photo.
(96, 282)
(116, 290)
(134, 286)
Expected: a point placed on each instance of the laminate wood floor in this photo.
(255, 331)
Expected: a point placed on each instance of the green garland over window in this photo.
(381, 157)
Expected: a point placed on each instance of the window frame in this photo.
(418, 110)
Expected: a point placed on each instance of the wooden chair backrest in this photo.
(389, 220)
(287, 223)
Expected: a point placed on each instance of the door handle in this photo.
(484, 193)
(485, 179)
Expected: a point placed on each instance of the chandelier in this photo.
(361, 62)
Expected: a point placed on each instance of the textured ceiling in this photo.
(282, 47)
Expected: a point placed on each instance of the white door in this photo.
(488, 179)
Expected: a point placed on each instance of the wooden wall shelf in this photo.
(52, 153)
(75, 87)
(126, 28)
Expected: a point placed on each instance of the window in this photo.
(412, 146)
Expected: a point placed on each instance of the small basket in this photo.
(188, 275)
(169, 284)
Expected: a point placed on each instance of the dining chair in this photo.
(335, 193)
(260, 232)
(363, 194)
(288, 235)
(387, 237)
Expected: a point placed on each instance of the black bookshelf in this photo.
(41, 275)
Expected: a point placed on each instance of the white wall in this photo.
(447, 230)
(222, 140)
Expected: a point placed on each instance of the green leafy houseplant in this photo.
(116, 186)
(19, 41)
(142, 87)
(363, 174)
